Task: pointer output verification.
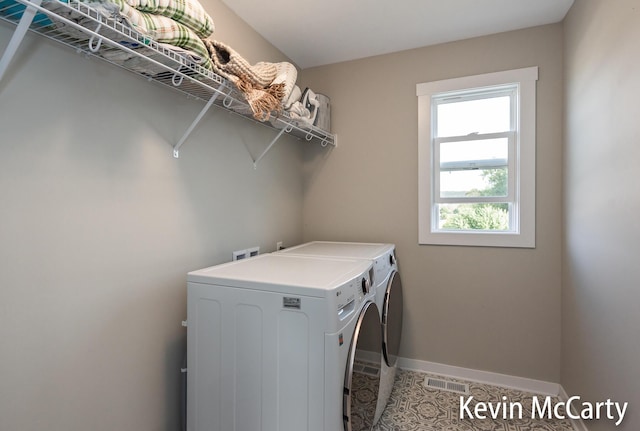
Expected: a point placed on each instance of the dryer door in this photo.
(392, 319)
(362, 382)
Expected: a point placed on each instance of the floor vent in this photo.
(443, 385)
(366, 368)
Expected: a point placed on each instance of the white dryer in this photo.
(386, 291)
(272, 342)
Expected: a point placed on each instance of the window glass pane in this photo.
(474, 217)
(491, 115)
(476, 182)
(483, 152)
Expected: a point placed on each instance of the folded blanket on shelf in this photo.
(232, 65)
(164, 30)
(256, 82)
(168, 34)
(187, 12)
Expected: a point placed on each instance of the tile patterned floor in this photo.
(413, 407)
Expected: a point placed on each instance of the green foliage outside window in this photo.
(480, 216)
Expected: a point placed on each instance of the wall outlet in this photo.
(279, 246)
(239, 254)
(253, 251)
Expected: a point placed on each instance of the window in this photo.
(476, 144)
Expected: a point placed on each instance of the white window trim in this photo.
(525, 235)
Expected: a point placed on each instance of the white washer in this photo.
(272, 341)
(387, 291)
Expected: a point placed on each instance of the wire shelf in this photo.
(86, 30)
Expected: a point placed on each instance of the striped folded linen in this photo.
(164, 30)
(187, 12)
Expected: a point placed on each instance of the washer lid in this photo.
(360, 250)
(300, 275)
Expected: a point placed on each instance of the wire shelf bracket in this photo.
(273, 142)
(18, 36)
(176, 147)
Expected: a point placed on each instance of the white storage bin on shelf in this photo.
(83, 28)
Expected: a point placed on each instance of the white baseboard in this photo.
(503, 380)
(578, 424)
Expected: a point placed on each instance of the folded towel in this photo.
(301, 114)
(286, 75)
(161, 29)
(167, 32)
(187, 12)
(295, 96)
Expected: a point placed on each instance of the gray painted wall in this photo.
(493, 309)
(601, 296)
(99, 225)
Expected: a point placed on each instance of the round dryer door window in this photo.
(392, 319)
(362, 377)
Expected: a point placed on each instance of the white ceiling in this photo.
(319, 32)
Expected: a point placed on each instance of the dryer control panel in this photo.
(382, 267)
(350, 296)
